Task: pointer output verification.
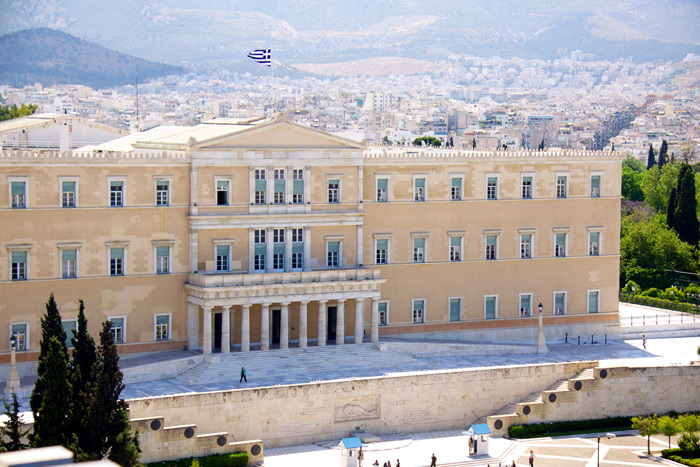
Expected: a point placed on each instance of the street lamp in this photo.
(607, 435)
(13, 383)
(541, 344)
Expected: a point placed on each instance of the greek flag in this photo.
(261, 56)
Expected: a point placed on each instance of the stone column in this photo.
(251, 251)
(322, 331)
(270, 250)
(206, 331)
(359, 319)
(245, 329)
(375, 320)
(192, 326)
(303, 332)
(284, 326)
(194, 250)
(360, 246)
(340, 323)
(226, 329)
(288, 249)
(265, 327)
(307, 248)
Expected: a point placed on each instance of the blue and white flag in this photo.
(261, 56)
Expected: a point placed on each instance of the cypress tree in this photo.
(650, 159)
(10, 433)
(671, 209)
(473, 143)
(50, 399)
(663, 154)
(686, 218)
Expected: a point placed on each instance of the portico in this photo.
(268, 303)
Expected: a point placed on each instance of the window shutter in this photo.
(454, 309)
(525, 301)
(116, 253)
(490, 307)
(382, 244)
(382, 183)
(419, 242)
(260, 185)
(298, 187)
(559, 301)
(17, 188)
(68, 255)
(222, 250)
(165, 251)
(279, 186)
(333, 247)
(491, 240)
(527, 179)
(19, 256)
(595, 182)
(457, 182)
(455, 241)
(420, 183)
(68, 186)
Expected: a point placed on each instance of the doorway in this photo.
(276, 327)
(332, 319)
(217, 332)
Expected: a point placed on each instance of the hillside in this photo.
(48, 56)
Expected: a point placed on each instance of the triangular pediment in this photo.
(279, 135)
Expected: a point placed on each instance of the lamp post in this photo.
(607, 435)
(12, 384)
(541, 344)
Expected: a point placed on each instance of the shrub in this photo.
(539, 429)
(690, 443)
(237, 459)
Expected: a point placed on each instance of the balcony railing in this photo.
(215, 279)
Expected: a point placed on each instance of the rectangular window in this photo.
(19, 331)
(260, 249)
(19, 265)
(163, 259)
(70, 325)
(455, 309)
(561, 186)
(116, 193)
(418, 311)
(419, 250)
(593, 243)
(593, 301)
(297, 260)
(491, 242)
(162, 327)
(298, 186)
(117, 330)
(383, 313)
(418, 189)
(560, 245)
(162, 192)
(68, 194)
(455, 248)
(382, 190)
(223, 258)
(525, 305)
(260, 186)
(527, 188)
(297, 249)
(334, 191)
(278, 249)
(116, 261)
(278, 235)
(278, 261)
(595, 186)
(559, 303)
(333, 254)
(382, 249)
(456, 189)
(222, 191)
(69, 263)
(492, 188)
(490, 307)
(280, 186)
(525, 246)
(19, 195)
(297, 235)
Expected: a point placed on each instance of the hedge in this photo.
(678, 455)
(237, 459)
(539, 429)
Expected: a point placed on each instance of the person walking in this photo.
(360, 457)
(644, 341)
(433, 460)
(243, 378)
(532, 458)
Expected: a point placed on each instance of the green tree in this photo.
(651, 162)
(634, 164)
(541, 146)
(429, 141)
(473, 143)
(632, 185)
(669, 426)
(663, 154)
(110, 411)
(671, 209)
(686, 216)
(657, 184)
(11, 112)
(11, 433)
(50, 399)
(647, 426)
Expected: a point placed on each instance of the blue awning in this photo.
(353, 443)
(479, 429)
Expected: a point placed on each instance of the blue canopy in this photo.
(479, 429)
(353, 443)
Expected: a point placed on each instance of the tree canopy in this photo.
(11, 112)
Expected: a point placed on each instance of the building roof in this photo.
(478, 429)
(351, 443)
(38, 120)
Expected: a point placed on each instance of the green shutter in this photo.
(165, 251)
(559, 301)
(69, 327)
(260, 248)
(260, 185)
(221, 250)
(419, 182)
(595, 236)
(525, 301)
(68, 187)
(382, 244)
(419, 305)
(162, 319)
(19, 256)
(298, 187)
(593, 302)
(297, 247)
(116, 184)
(18, 188)
(19, 329)
(491, 240)
(595, 181)
(455, 309)
(457, 182)
(525, 238)
(279, 186)
(455, 241)
(527, 180)
(561, 239)
(419, 242)
(116, 253)
(68, 255)
(561, 178)
(490, 308)
(334, 182)
(278, 248)
(333, 247)
(382, 307)
(382, 184)
(492, 180)
(222, 185)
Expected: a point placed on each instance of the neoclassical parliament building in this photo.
(239, 235)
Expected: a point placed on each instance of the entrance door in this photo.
(276, 327)
(332, 318)
(217, 332)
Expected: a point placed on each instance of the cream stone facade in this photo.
(250, 234)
